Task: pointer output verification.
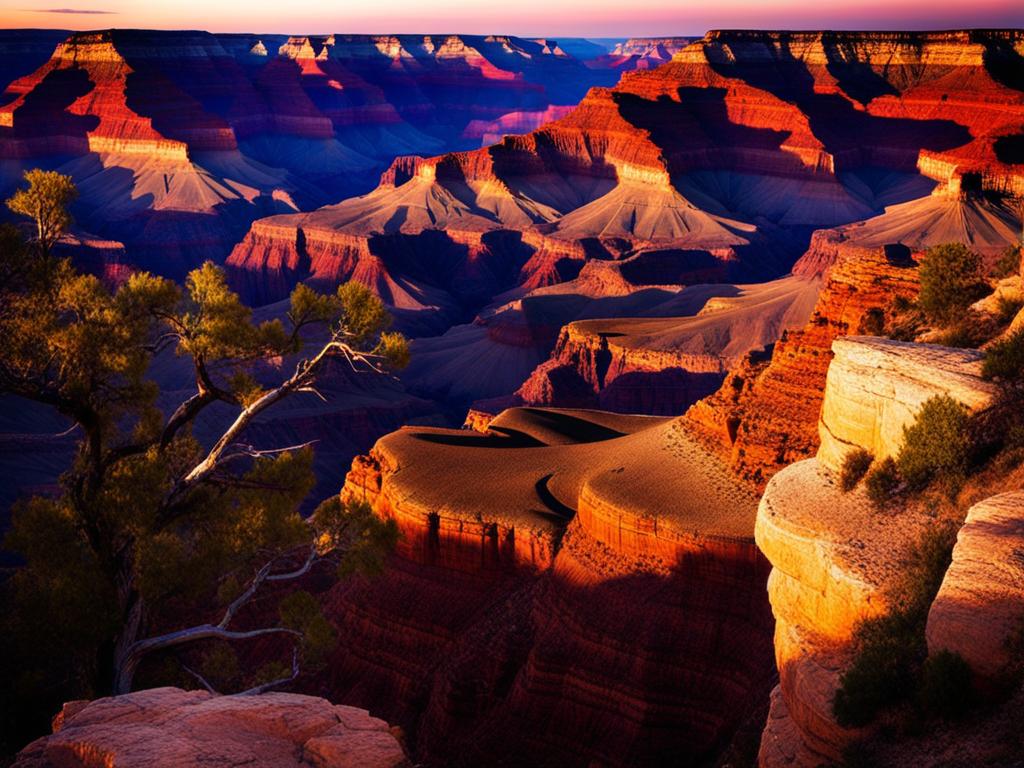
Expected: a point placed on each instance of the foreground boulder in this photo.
(169, 727)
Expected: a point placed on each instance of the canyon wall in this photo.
(835, 557)
(561, 600)
(766, 415)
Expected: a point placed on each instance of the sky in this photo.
(577, 18)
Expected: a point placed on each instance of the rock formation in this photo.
(766, 414)
(835, 558)
(572, 603)
(169, 727)
(979, 611)
(180, 140)
(723, 157)
(661, 365)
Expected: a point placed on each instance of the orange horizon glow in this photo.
(575, 18)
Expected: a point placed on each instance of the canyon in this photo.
(179, 140)
(640, 277)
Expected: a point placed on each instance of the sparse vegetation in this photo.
(856, 463)
(890, 652)
(937, 446)
(951, 281)
(152, 529)
(1007, 308)
(882, 482)
(945, 689)
(1008, 263)
(872, 323)
(1004, 359)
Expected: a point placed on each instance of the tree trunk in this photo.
(126, 662)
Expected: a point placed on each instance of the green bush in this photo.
(945, 689)
(951, 281)
(890, 651)
(937, 445)
(882, 482)
(1005, 359)
(855, 465)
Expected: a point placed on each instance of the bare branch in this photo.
(202, 632)
(280, 681)
(202, 680)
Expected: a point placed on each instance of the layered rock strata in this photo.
(726, 156)
(766, 414)
(835, 557)
(979, 610)
(573, 603)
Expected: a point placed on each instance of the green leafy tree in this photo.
(46, 202)
(951, 281)
(150, 524)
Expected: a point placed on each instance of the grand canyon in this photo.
(703, 443)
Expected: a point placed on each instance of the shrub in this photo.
(890, 651)
(1005, 358)
(882, 482)
(855, 465)
(937, 445)
(1008, 263)
(1007, 308)
(950, 281)
(872, 323)
(946, 686)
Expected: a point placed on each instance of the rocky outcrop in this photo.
(875, 388)
(164, 727)
(572, 603)
(979, 610)
(835, 558)
(766, 414)
(663, 365)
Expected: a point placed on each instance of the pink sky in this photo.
(589, 18)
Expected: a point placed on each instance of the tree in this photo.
(46, 202)
(951, 281)
(150, 524)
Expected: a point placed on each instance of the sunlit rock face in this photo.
(179, 140)
(875, 388)
(979, 609)
(727, 156)
(835, 558)
(169, 726)
(766, 414)
(560, 600)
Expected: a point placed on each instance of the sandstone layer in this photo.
(766, 414)
(586, 590)
(979, 611)
(875, 388)
(172, 728)
(835, 557)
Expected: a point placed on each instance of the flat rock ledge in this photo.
(979, 610)
(172, 728)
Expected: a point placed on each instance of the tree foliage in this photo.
(46, 201)
(951, 280)
(151, 524)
